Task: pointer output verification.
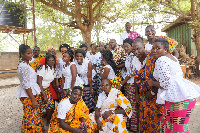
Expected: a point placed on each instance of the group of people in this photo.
(130, 87)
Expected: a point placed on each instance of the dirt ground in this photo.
(11, 111)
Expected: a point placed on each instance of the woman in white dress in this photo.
(28, 92)
(109, 70)
(59, 65)
(84, 70)
(178, 94)
(45, 76)
(69, 74)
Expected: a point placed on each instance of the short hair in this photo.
(92, 45)
(77, 88)
(163, 42)
(127, 23)
(80, 51)
(149, 26)
(82, 45)
(71, 54)
(36, 47)
(113, 40)
(140, 40)
(129, 41)
(22, 49)
(64, 45)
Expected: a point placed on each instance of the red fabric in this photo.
(53, 92)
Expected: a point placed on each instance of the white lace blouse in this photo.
(28, 79)
(129, 64)
(111, 74)
(170, 76)
(82, 70)
(63, 107)
(68, 77)
(59, 67)
(95, 59)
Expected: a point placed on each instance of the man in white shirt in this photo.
(128, 33)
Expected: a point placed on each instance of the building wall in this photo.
(182, 34)
(10, 60)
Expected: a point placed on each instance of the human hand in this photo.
(119, 87)
(150, 82)
(64, 93)
(106, 114)
(39, 66)
(35, 104)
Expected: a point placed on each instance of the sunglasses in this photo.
(152, 30)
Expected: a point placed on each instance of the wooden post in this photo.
(33, 9)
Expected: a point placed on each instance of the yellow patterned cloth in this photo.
(35, 62)
(32, 119)
(115, 82)
(172, 43)
(77, 111)
(115, 101)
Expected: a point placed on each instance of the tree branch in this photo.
(98, 4)
(56, 7)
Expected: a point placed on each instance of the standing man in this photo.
(119, 55)
(36, 57)
(128, 33)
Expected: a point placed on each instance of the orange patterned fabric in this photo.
(35, 62)
(78, 110)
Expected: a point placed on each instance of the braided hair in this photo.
(22, 49)
(80, 51)
(107, 54)
(71, 54)
(129, 41)
(47, 59)
(64, 45)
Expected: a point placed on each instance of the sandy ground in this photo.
(11, 111)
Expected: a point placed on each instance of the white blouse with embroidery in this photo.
(95, 59)
(68, 77)
(111, 74)
(129, 64)
(175, 87)
(82, 70)
(47, 74)
(59, 67)
(28, 79)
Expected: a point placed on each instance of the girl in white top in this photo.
(129, 89)
(28, 92)
(46, 76)
(177, 93)
(69, 74)
(110, 70)
(84, 70)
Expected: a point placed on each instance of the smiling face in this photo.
(36, 52)
(85, 49)
(150, 32)
(128, 27)
(138, 50)
(127, 48)
(112, 44)
(75, 96)
(94, 48)
(101, 47)
(50, 62)
(66, 57)
(52, 52)
(27, 56)
(106, 86)
(158, 50)
(79, 58)
(63, 49)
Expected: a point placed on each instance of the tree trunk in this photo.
(197, 43)
(86, 37)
